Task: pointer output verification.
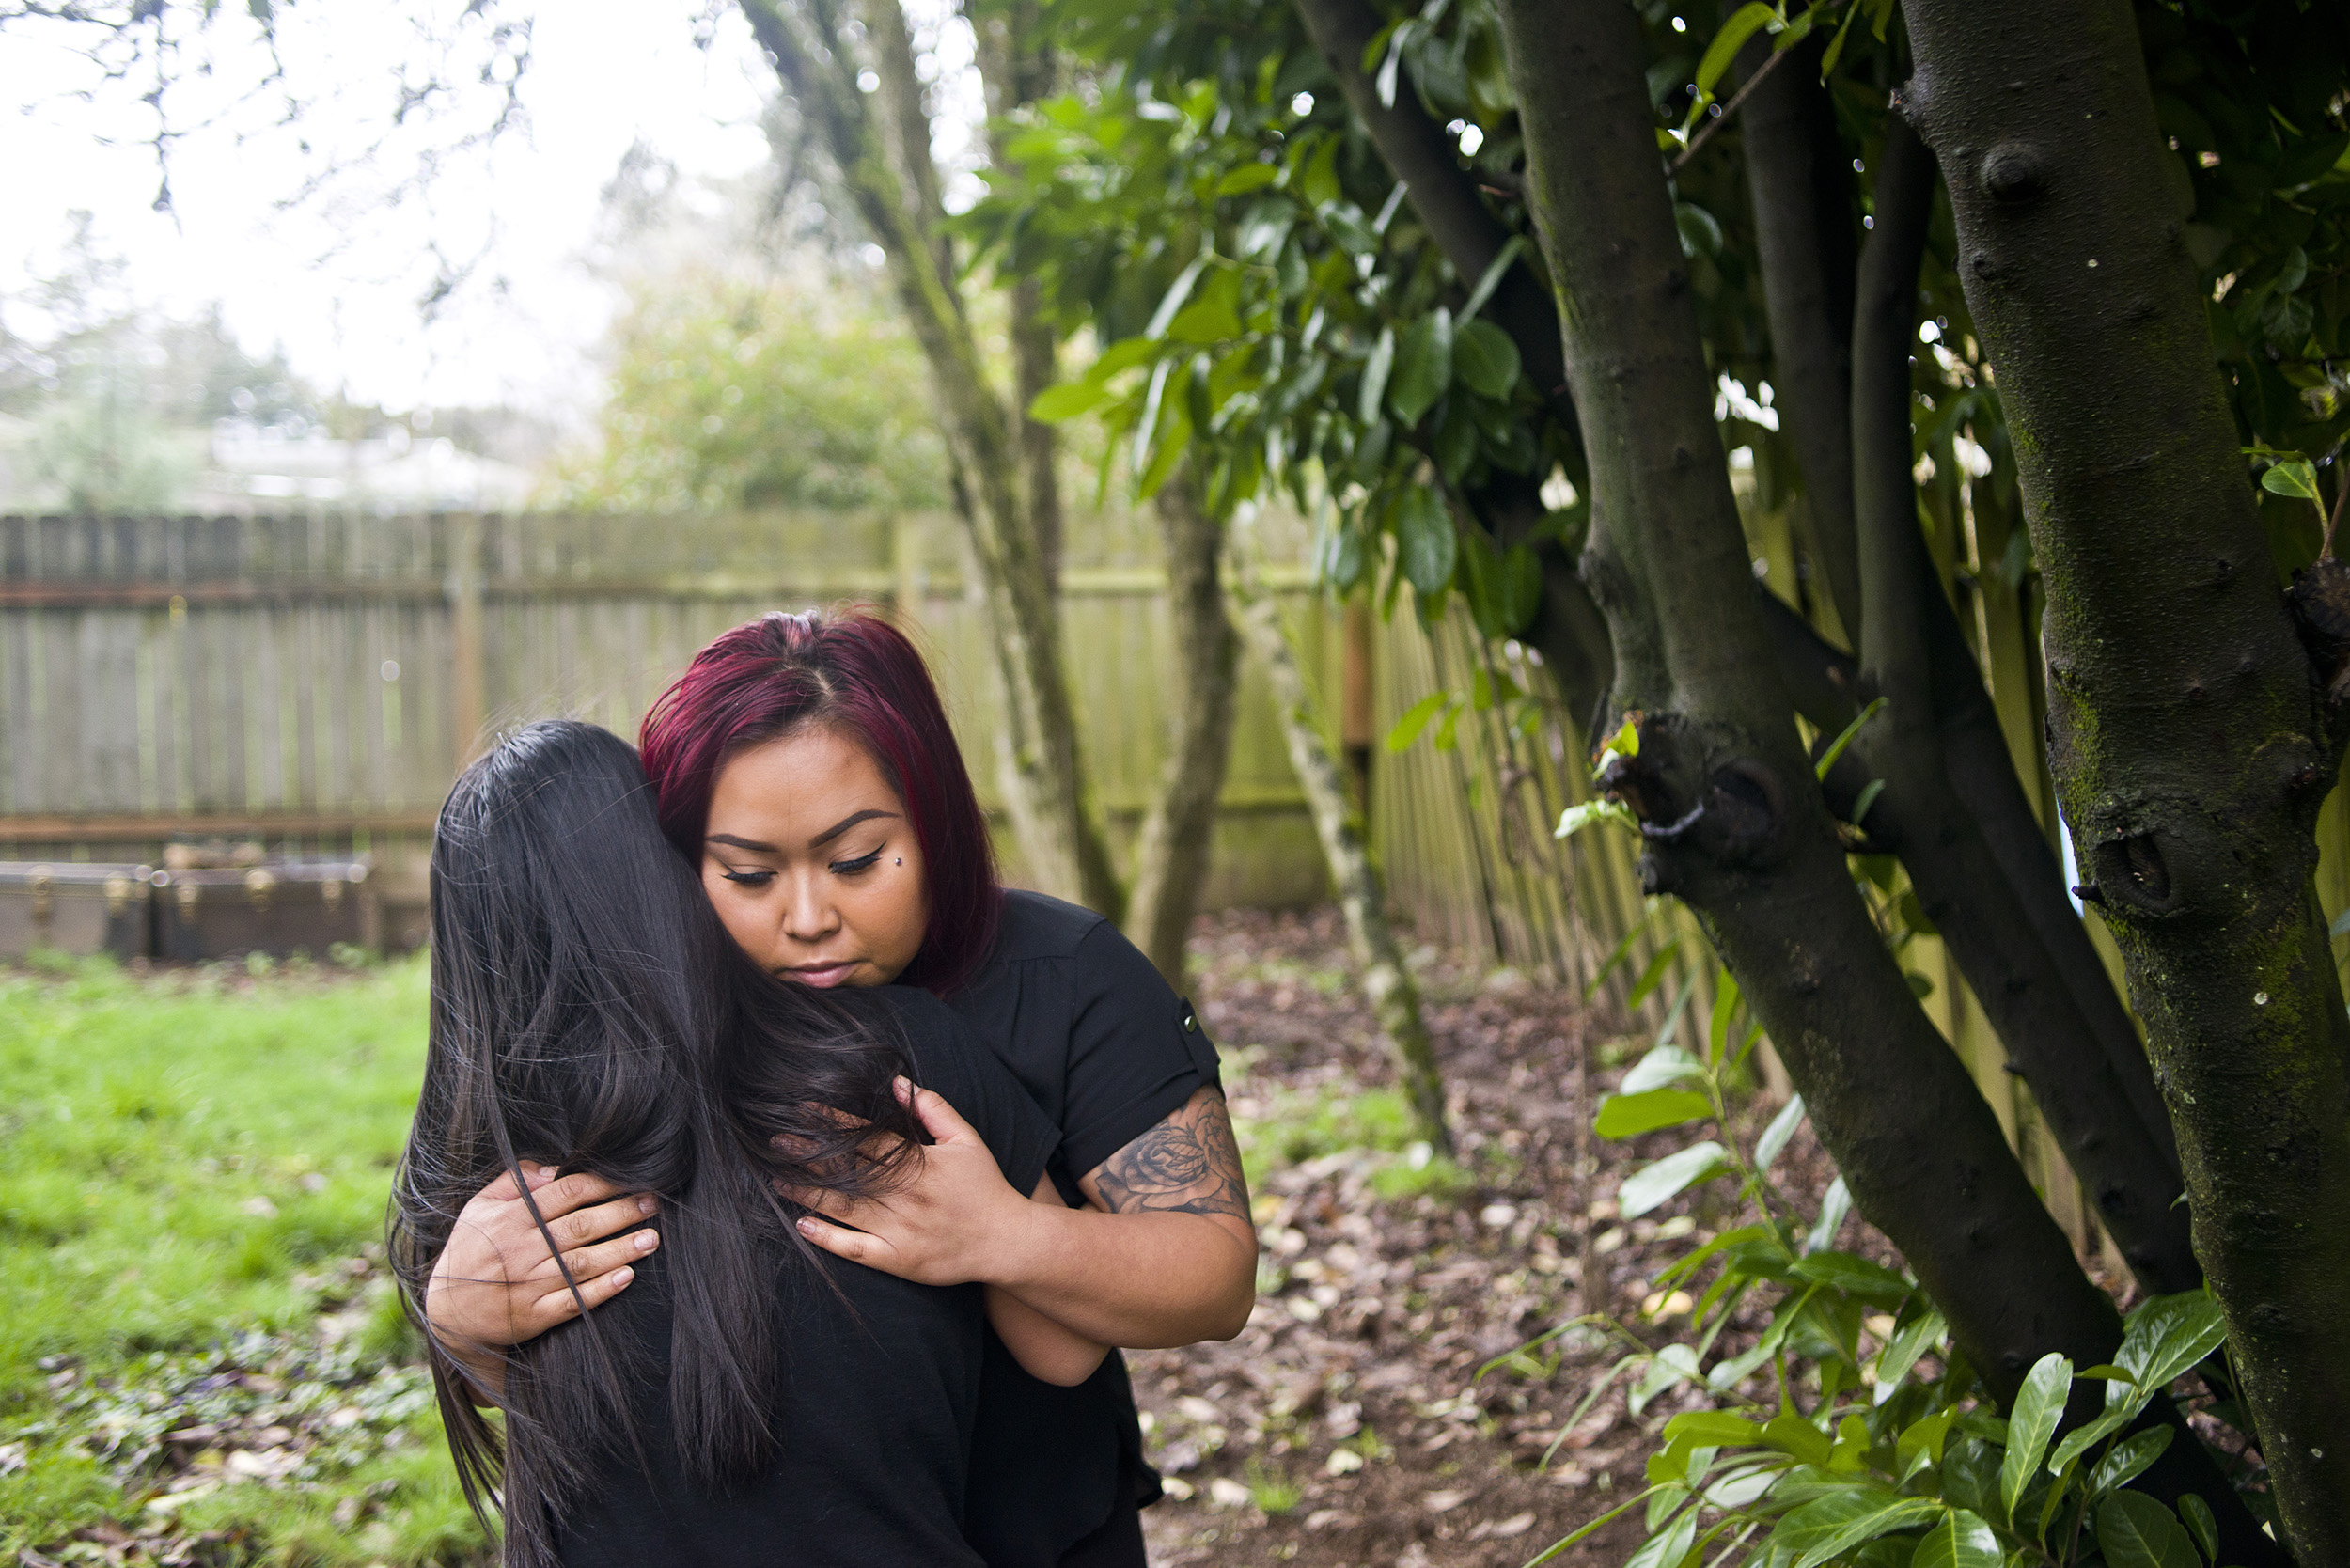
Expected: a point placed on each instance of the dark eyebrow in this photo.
(739, 843)
(836, 829)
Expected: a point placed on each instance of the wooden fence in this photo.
(315, 680)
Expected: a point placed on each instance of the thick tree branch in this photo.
(1961, 884)
(2189, 737)
(1762, 865)
(1801, 183)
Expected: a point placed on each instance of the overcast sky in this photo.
(337, 280)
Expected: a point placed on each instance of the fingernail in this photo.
(808, 1226)
(645, 1204)
(622, 1275)
(647, 1240)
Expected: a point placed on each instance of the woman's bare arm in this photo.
(1166, 1255)
(1043, 1347)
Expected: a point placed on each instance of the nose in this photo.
(809, 916)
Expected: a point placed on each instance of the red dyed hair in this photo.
(857, 672)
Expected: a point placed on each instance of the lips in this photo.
(821, 975)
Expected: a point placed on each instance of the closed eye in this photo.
(750, 879)
(850, 867)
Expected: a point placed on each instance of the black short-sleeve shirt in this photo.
(1104, 1044)
(881, 1387)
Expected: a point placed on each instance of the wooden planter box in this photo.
(278, 907)
(76, 907)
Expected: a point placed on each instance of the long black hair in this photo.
(589, 1011)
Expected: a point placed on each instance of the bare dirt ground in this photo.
(1346, 1425)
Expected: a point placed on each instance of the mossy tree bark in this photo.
(879, 146)
(2190, 737)
(1387, 982)
(1733, 821)
(1953, 809)
(1179, 833)
(1960, 883)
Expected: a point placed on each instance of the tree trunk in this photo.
(1963, 887)
(1733, 824)
(1387, 981)
(1803, 230)
(2189, 737)
(1171, 857)
(1016, 68)
(896, 197)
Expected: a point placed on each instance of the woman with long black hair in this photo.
(753, 1400)
(806, 764)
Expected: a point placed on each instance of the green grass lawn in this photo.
(198, 1347)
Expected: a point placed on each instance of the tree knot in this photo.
(2013, 173)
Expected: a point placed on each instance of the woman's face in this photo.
(813, 864)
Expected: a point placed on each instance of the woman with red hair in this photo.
(806, 765)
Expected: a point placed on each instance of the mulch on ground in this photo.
(1347, 1425)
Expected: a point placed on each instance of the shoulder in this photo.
(1039, 926)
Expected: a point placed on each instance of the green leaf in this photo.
(1910, 1341)
(1841, 1271)
(1067, 399)
(1210, 319)
(1725, 1007)
(2033, 1422)
(1921, 1440)
(1655, 1185)
(1122, 355)
(2136, 1531)
(1775, 1137)
(1835, 747)
(1667, 1550)
(1661, 1068)
(1416, 718)
(2167, 1335)
(2196, 1512)
(2129, 1459)
(1426, 547)
(1423, 368)
(1835, 44)
(1575, 819)
(1177, 293)
(1486, 358)
(1630, 1114)
(1741, 27)
(2296, 477)
(1651, 975)
(1319, 184)
(1495, 270)
(1376, 373)
(1248, 176)
(1791, 1434)
(2082, 1439)
(1834, 1205)
(1717, 1427)
(1866, 798)
(1831, 1526)
(1962, 1540)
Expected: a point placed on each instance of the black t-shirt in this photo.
(1101, 1041)
(880, 1390)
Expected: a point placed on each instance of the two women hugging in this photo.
(781, 1178)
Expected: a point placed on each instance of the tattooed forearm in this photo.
(1188, 1164)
